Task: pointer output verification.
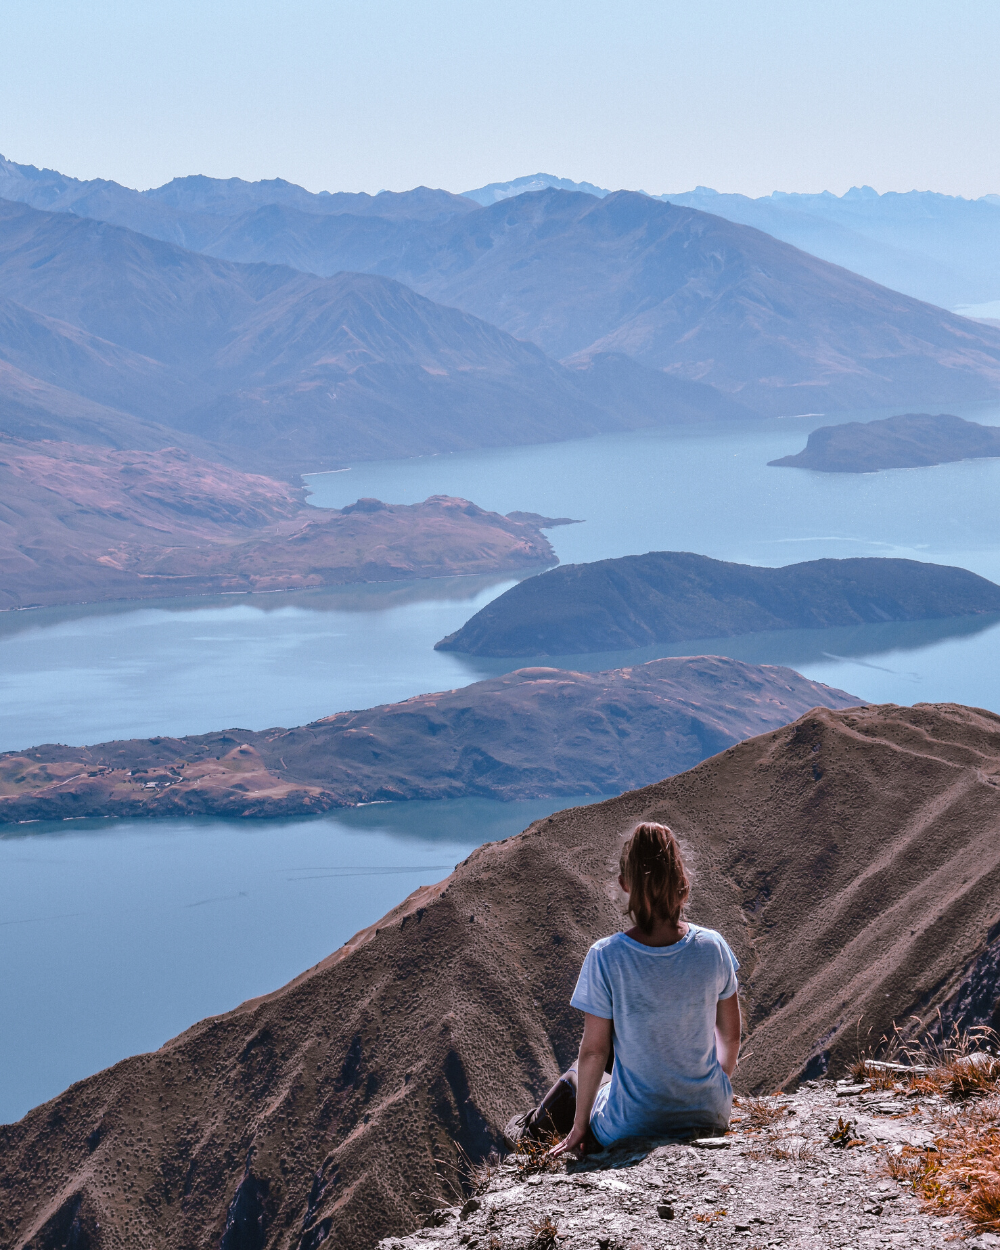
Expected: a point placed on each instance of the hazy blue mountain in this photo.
(939, 248)
(493, 192)
(228, 197)
(193, 211)
(284, 369)
(280, 235)
(64, 355)
(704, 298)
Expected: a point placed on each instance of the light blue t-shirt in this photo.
(662, 999)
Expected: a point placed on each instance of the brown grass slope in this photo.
(87, 524)
(851, 858)
(535, 733)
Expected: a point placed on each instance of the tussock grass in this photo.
(962, 1175)
(758, 1112)
(476, 1175)
(543, 1234)
(783, 1146)
(532, 1155)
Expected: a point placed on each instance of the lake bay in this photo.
(115, 935)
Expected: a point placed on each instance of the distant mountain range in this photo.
(680, 290)
(940, 248)
(280, 369)
(293, 330)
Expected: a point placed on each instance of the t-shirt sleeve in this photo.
(728, 984)
(593, 993)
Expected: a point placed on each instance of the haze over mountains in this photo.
(281, 369)
(939, 248)
(549, 315)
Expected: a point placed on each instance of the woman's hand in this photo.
(728, 1027)
(572, 1141)
(594, 1051)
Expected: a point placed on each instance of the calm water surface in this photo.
(115, 936)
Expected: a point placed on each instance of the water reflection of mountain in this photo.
(356, 597)
(792, 647)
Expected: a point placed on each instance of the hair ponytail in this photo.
(653, 872)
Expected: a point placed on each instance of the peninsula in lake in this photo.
(672, 596)
(906, 442)
(531, 734)
(87, 524)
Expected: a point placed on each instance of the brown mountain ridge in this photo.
(851, 859)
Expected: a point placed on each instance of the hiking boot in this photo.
(553, 1116)
(518, 1128)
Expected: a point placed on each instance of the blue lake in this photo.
(130, 932)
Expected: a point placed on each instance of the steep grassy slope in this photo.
(851, 859)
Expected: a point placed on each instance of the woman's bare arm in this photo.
(594, 1051)
(728, 1026)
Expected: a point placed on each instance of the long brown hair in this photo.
(653, 871)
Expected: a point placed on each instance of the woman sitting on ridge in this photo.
(664, 995)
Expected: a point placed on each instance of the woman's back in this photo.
(662, 1001)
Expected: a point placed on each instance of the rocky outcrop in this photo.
(535, 733)
(775, 1179)
(906, 442)
(673, 596)
(850, 858)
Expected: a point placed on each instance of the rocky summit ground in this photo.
(830, 1166)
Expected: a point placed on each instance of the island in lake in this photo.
(673, 596)
(535, 733)
(912, 441)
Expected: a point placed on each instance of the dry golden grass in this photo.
(532, 1155)
(477, 1177)
(877, 1077)
(780, 1145)
(544, 1234)
(757, 1112)
(962, 1176)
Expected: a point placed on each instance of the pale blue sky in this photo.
(344, 95)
